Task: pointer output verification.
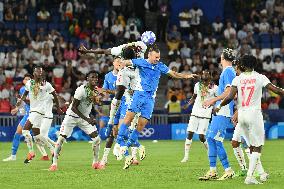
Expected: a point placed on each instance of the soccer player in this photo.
(143, 98)
(220, 122)
(78, 114)
(38, 90)
(249, 85)
(200, 117)
(26, 109)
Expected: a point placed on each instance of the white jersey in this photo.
(250, 90)
(198, 109)
(38, 102)
(85, 105)
(49, 106)
(116, 51)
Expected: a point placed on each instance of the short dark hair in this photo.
(38, 66)
(248, 62)
(128, 53)
(153, 47)
(28, 75)
(93, 72)
(228, 54)
(174, 98)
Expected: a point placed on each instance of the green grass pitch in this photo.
(160, 169)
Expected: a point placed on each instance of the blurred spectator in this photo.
(30, 66)
(66, 10)
(175, 64)
(173, 39)
(2, 76)
(47, 55)
(97, 37)
(132, 33)
(116, 5)
(70, 53)
(217, 26)
(279, 65)
(196, 14)
(268, 65)
(32, 2)
(242, 33)
(162, 22)
(9, 15)
(1, 11)
(185, 51)
(21, 14)
(43, 14)
(184, 22)
(229, 32)
(264, 26)
(173, 107)
(135, 20)
(117, 30)
(273, 104)
(79, 6)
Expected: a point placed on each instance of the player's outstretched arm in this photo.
(212, 101)
(275, 89)
(55, 97)
(82, 49)
(228, 98)
(190, 102)
(177, 75)
(19, 102)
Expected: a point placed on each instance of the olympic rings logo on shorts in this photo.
(147, 132)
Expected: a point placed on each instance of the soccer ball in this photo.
(148, 37)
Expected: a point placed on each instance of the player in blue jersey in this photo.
(143, 98)
(24, 109)
(221, 121)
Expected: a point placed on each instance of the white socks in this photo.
(41, 149)
(205, 144)
(96, 148)
(187, 146)
(28, 139)
(57, 149)
(254, 158)
(104, 158)
(239, 154)
(134, 152)
(113, 109)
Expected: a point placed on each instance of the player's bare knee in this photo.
(36, 131)
(235, 144)
(93, 134)
(119, 92)
(189, 135)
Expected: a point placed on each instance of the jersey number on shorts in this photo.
(245, 90)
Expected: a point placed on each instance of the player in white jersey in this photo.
(200, 116)
(249, 85)
(38, 90)
(78, 114)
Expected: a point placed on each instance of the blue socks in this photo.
(212, 151)
(133, 139)
(222, 154)
(16, 143)
(122, 134)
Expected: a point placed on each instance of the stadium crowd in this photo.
(50, 32)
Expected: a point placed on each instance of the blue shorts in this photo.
(104, 119)
(121, 112)
(218, 126)
(24, 120)
(142, 101)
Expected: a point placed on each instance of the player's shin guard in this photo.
(134, 152)
(57, 149)
(113, 109)
(96, 148)
(105, 155)
(29, 140)
(212, 152)
(16, 143)
(254, 158)
(240, 157)
(222, 154)
(187, 146)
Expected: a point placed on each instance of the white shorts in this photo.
(198, 125)
(251, 122)
(239, 133)
(70, 122)
(36, 119)
(45, 126)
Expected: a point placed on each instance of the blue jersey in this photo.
(226, 78)
(26, 106)
(110, 82)
(149, 74)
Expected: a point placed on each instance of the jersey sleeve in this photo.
(116, 51)
(22, 90)
(49, 87)
(106, 84)
(164, 69)
(79, 93)
(265, 81)
(138, 62)
(235, 81)
(28, 85)
(228, 77)
(196, 86)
